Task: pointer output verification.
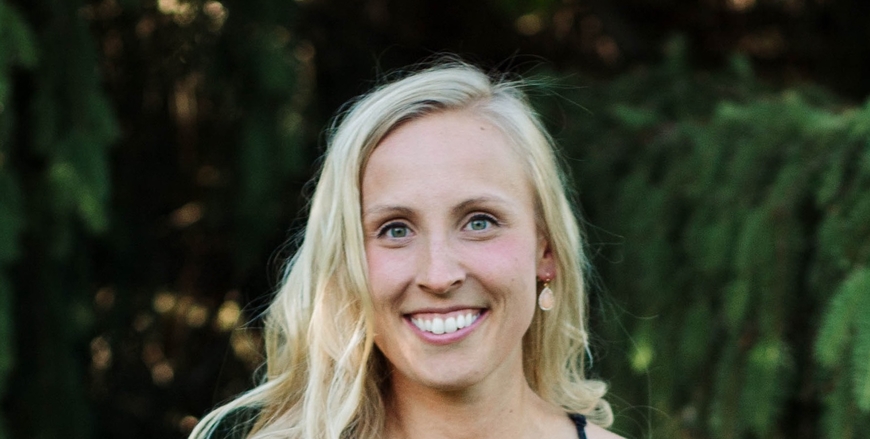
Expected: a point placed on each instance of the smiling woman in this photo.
(468, 245)
(410, 308)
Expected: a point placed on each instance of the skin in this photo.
(450, 229)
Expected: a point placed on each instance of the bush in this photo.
(730, 225)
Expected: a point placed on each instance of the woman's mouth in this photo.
(447, 323)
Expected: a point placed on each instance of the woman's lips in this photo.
(445, 323)
(443, 328)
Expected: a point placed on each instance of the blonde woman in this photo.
(439, 288)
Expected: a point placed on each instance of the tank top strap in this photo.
(580, 421)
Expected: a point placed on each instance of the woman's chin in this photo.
(453, 381)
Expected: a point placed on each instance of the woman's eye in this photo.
(480, 222)
(395, 231)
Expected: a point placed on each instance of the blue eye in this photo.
(480, 222)
(395, 231)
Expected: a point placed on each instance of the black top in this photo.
(580, 422)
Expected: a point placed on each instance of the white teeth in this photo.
(449, 325)
(437, 326)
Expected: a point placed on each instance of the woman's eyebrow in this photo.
(380, 210)
(462, 207)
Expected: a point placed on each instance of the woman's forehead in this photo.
(453, 152)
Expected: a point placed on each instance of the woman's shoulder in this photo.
(595, 432)
(588, 430)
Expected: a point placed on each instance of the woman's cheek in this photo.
(387, 268)
(503, 257)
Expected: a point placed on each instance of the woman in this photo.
(438, 290)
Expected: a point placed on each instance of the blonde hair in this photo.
(324, 376)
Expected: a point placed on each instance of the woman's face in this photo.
(453, 252)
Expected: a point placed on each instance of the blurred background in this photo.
(154, 160)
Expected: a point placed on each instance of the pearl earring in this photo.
(546, 300)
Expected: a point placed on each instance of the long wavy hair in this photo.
(324, 377)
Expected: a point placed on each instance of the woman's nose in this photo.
(440, 270)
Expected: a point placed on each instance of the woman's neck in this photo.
(498, 407)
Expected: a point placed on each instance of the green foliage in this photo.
(54, 191)
(257, 48)
(18, 51)
(73, 142)
(207, 101)
(846, 323)
(766, 386)
(739, 211)
(841, 318)
(861, 356)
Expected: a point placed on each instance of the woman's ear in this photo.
(546, 261)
